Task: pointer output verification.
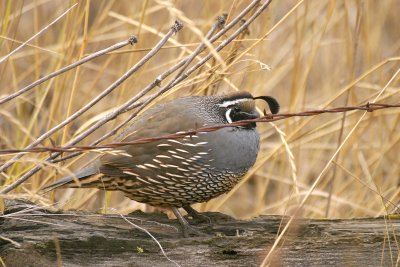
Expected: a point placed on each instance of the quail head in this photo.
(176, 173)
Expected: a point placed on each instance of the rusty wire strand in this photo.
(370, 107)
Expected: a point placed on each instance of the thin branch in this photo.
(37, 34)
(236, 20)
(242, 28)
(220, 21)
(107, 91)
(132, 40)
(132, 102)
(177, 26)
(182, 64)
(183, 76)
(218, 24)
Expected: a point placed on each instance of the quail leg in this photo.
(197, 215)
(186, 228)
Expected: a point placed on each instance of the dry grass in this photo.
(322, 54)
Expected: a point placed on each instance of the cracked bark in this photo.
(88, 239)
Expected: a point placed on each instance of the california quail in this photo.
(176, 173)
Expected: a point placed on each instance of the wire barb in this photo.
(369, 107)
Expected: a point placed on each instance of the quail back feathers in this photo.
(176, 173)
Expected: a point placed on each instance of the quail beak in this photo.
(240, 116)
(250, 116)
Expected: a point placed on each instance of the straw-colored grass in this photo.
(320, 54)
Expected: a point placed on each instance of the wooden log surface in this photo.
(33, 236)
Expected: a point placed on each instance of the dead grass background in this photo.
(323, 54)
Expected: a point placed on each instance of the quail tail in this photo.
(81, 175)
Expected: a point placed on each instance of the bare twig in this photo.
(219, 23)
(243, 27)
(182, 64)
(132, 102)
(183, 76)
(132, 40)
(177, 26)
(37, 34)
(99, 97)
(236, 20)
(370, 107)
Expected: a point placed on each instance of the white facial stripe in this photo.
(227, 115)
(233, 102)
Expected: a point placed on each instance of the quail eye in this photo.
(232, 114)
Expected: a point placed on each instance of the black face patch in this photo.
(240, 109)
(237, 115)
(241, 106)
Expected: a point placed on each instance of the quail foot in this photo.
(176, 173)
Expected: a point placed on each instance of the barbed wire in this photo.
(370, 107)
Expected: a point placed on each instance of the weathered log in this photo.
(40, 237)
